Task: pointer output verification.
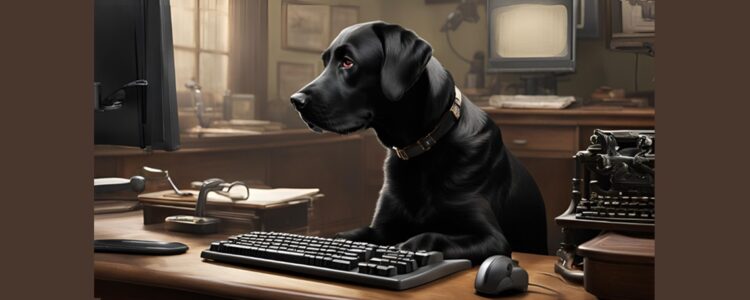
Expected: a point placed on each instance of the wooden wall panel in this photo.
(336, 169)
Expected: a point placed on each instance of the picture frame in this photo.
(291, 76)
(343, 16)
(304, 26)
(619, 39)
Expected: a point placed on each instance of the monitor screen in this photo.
(530, 30)
(531, 35)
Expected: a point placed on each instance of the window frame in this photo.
(196, 50)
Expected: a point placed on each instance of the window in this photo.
(200, 33)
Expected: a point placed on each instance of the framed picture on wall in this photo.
(342, 17)
(292, 77)
(305, 27)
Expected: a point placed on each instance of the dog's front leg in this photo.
(473, 247)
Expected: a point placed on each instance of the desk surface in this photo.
(187, 272)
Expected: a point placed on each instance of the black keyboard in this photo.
(338, 259)
(639, 209)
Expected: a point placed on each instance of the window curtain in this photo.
(247, 50)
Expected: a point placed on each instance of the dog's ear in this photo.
(405, 58)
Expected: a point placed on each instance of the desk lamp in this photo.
(466, 11)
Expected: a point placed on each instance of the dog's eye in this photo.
(346, 64)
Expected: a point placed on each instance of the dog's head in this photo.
(367, 66)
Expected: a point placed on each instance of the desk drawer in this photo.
(540, 138)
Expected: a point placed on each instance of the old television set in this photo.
(134, 77)
(532, 37)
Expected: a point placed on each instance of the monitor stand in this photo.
(539, 84)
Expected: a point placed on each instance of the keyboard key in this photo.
(386, 270)
(425, 258)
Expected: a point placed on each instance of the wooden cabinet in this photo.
(546, 140)
(539, 140)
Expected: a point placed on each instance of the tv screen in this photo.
(531, 35)
(530, 30)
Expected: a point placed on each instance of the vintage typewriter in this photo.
(613, 190)
(615, 177)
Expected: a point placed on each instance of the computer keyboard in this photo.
(639, 209)
(338, 259)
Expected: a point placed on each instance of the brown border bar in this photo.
(47, 148)
(702, 113)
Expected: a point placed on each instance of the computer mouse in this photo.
(498, 274)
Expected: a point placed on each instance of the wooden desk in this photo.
(120, 276)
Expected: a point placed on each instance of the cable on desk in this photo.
(559, 295)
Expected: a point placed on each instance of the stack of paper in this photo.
(257, 196)
(531, 101)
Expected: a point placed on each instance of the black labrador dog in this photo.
(466, 195)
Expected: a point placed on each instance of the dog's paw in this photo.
(343, 235)
(424, 241)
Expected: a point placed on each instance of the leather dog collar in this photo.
(446, 122)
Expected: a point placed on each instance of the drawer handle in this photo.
(520, 142)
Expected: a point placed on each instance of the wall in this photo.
(368, 11)
(596, 66)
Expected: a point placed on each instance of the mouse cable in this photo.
(558, 278)
(559, 295)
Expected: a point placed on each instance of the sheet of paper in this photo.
(263, 196)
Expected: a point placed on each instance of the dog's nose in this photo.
(299, 100)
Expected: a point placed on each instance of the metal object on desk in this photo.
(200, 223)
(169, 179)
(613, 189)
(618, 176)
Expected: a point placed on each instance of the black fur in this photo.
(467, 196)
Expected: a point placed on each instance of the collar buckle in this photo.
(456, 107)
(456, 110)
(401, 153)
(426, 142)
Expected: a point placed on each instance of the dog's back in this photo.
(515, 198)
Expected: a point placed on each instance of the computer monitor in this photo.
(527, 36)
(134, 82)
